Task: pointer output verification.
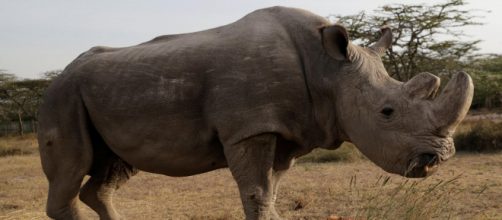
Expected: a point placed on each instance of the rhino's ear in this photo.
(335, 39)
(385, 41)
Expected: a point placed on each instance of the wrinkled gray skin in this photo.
(252, 96)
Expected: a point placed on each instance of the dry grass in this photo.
(18, 145)
(406, 200)
(469, 186)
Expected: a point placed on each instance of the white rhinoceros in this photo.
(252, 96)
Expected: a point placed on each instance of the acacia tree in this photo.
(5, 104)
(426, 37)
(51, 74)
(19, 99)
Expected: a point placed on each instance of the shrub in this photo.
(487, 90)
(483, 136)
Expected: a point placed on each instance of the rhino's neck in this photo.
(303, 31)
(317, 67)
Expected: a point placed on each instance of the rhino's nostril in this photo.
(422, 165)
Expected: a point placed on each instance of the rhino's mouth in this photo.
(422, 166)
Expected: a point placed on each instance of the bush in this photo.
(483, 136)
(487, 90)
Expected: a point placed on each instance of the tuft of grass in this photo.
(217, 217)
(409, 199)
(345, 153)
(18, 145)
(481, 136)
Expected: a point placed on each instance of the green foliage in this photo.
(492, 64)
(51, 74)
(426, 37)
(487, 77)
(6, 77)
(20, 98)
(483, 136)
(487, 90)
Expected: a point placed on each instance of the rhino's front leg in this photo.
(251, 163)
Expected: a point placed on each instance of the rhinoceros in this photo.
(252, 96)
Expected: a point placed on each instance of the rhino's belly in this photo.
(182, 157)
(159, 141)
(172, 163)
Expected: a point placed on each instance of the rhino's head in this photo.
(402, 127)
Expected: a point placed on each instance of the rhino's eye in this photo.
(387, 112)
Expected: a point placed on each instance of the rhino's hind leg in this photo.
(109, 172)
(62, 202)
(65, 170)
(251, 163)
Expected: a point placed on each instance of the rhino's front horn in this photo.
(453, 103)
(384, 42)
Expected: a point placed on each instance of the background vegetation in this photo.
(19, 101)
(429, 38)
(481, 136)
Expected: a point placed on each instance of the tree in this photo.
(51, 74)
(427, 38)
(487, 76)
(490, 63)
(19, 99)
(6, 77)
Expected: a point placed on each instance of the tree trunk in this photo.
(20, 124)
(33, 126)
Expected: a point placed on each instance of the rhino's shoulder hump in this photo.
(102, 49)
(87, 56)
(163, 38)
(92, 52)
(291, 15)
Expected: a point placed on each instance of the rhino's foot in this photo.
(62, 202)
(99, 199)
(64, 213)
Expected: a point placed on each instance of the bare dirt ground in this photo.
(469, 186)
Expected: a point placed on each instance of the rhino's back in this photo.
(184, 91)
